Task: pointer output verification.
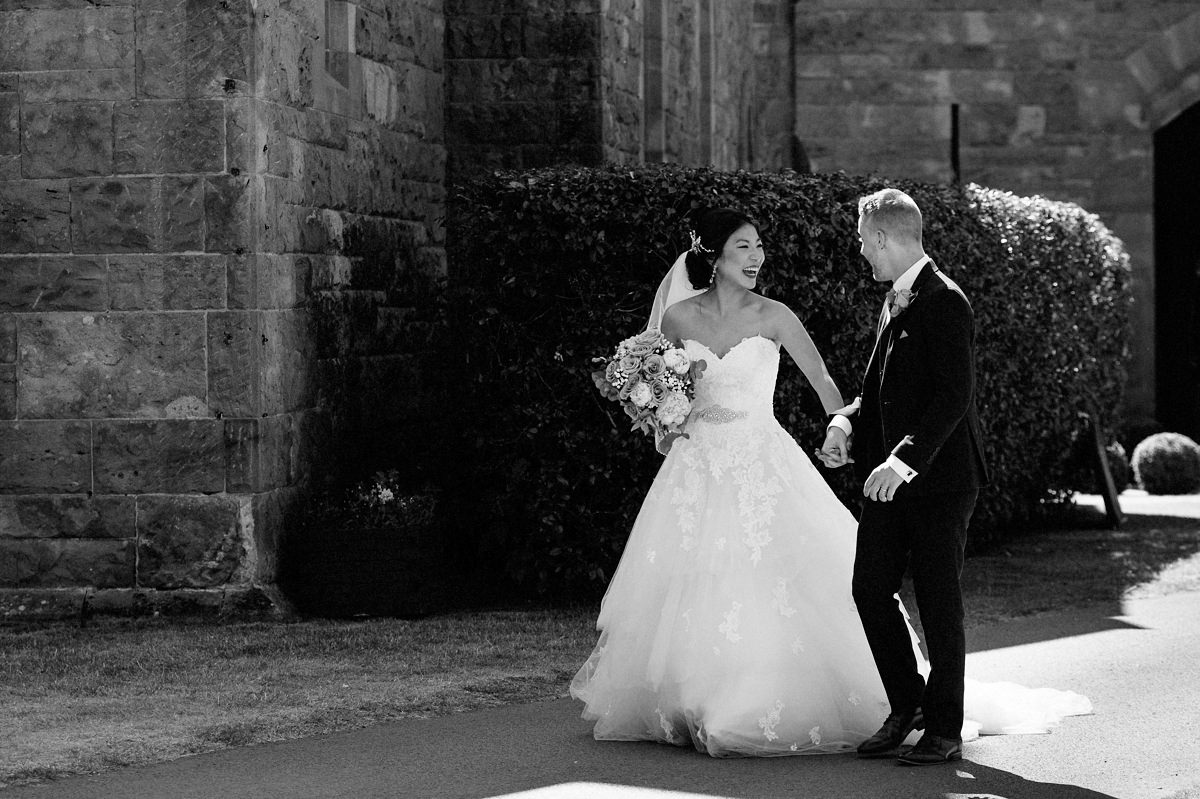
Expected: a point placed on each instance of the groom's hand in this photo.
(836, 451)
(883, 483)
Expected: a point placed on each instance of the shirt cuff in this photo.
(841, 423)
(901, 468)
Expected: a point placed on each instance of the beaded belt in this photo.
(716, 414)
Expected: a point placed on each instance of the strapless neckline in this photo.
(731, 349)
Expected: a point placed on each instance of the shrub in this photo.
(552, 267)
(1167, 463)
(372, 547)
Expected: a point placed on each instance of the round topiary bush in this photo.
(1167, 463)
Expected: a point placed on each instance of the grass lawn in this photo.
(135, 691)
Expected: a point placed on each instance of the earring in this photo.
(713, 278)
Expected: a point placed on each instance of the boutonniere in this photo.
(899, 300)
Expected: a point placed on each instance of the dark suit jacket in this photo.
(918, 395)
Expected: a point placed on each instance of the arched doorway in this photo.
(1177, 272)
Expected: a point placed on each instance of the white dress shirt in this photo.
(905, 281)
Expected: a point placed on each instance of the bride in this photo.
(729, 623)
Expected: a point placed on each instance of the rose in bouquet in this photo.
(653, 380)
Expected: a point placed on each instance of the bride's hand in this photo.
(663, 445)
(849, 410)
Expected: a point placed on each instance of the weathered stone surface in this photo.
(78, 84)
(51, 39)
(8, 337)
(287, 361)
(228, 212)
(261, 454)
(191, 542)
(235, 352)
(8, 391)
(17, 604)
(35, 216)
(181, 456)
(80, 365)
(45, 457)
(288, 47)
(138, 214)
(53, 283)
(154, 136)
(275, 513)
(66, 516)
(10, 123)
(193, 48)
(167, 282)
(54, 562)
(66, 140)
(269, 281)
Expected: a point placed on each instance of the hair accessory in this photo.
(696, 247)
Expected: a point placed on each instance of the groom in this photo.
(918, 450)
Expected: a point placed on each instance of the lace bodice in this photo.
(738, 385)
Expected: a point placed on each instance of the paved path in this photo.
(1141, 668)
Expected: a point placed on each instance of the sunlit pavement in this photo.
(1139, 663)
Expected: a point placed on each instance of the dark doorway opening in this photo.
(1177, 273)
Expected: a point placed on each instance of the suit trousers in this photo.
(928, 535)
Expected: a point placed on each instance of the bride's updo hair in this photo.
(711, 229)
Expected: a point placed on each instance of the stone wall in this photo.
(1059, 98)
(523, 78)
(534, 83)
(193, 194)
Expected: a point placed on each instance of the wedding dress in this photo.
(729, 623)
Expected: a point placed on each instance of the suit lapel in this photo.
(895, 328)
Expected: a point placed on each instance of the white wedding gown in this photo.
(729, 623)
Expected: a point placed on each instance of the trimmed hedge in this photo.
(1167, 463)
(550, 268)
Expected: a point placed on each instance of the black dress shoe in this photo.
(931, 750)
(895, 729)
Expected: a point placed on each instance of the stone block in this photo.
(984, 124)
(128, 365)
(35, 216)
(78, 84)
(246, 137)
(58, 562)
(194, 48)
(286, 364)
(45, 457)
(235, 352)
(77, 38)
(167, 282)
(154, 136)
(66, 516)
(289, 48)
(229, 212)
(275, 513)
(8, 338)
(177, 455)
(164, 214)
(66, 140)
(10, 123)
(268, 280)
(17, 604)
(8, 391)
(192, 542)
(261, 454)
(490, 36)
(53, 283)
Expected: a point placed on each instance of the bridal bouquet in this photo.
(652, 379)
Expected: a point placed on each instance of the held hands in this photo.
(836, 451)
(883, 483)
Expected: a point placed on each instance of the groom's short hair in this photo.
(893, 212)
